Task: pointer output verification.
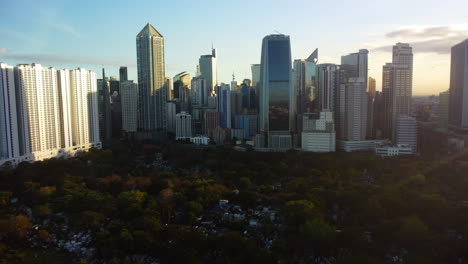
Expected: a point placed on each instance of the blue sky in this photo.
(92, 34)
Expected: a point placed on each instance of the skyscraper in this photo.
(406, 131)
(38, 115)
(9, 140)
(183, 125)
(180, 80)
(209, 70)
(129, 100)
(151, 80)
(304, 85)
(105, 118)
(328, 81)
(224, 105)
(200, 92)
(458, 103)
(355, 65)
(396, 89)
(276, 84)
(371, 87)
(123, 74)
(353, 125)
(442, 117)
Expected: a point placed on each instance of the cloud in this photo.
(52, 59)
(65, 28)
(3, 50)
(52, 19)
(428, 39)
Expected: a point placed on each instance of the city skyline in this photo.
(50, 35)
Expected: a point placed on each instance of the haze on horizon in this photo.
(92, 35)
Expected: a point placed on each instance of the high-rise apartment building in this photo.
(38, 110)
(9, 140)
(151, 80)
(129, 100)
(209, 70)
(458, 103)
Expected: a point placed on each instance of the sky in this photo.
(96, 34)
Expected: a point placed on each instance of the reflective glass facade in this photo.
(276, 77)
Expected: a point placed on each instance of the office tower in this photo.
(256, 84)
(406, 131)
(353, 109)
(443, 115)
(171, 116)
(328, 81)
(123, 74)
(378, 123)
(370, 115)
(304, 81)
(458, 102)
(151, 80)
(209, 70)
(129, 100)
(396, 89)
(105, 118)
(210, 121)
(318, 133)
(38, 110)
(234, 86)
(199, 92)
(236, 102)
(114, 85)
(247, 123)
(276, 84)
(371, 87)
(255, 75)
(183, 125)
(9, 140)
(169, 89)
(403, 54)
(245, 91)
(355, 65)
(247, 82)
(224, 105)
(180, 80)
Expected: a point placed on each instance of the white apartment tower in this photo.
(39, 111)
(9, 140)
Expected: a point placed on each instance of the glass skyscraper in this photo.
(458, 100)
(151, 80)
(209, 70)
(276, 84)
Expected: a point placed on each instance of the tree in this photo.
(298, 212)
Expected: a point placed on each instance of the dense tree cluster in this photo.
(345, 208)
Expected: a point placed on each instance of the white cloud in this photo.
(3, 50)
(425, 39)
